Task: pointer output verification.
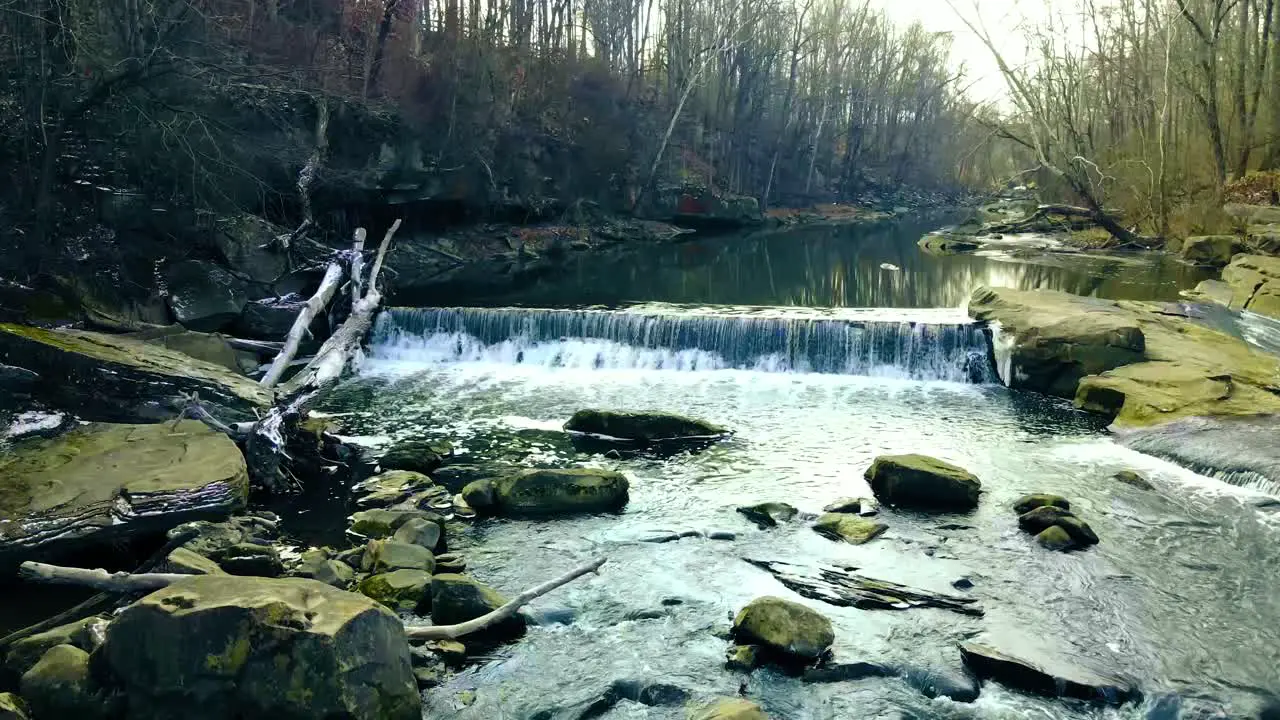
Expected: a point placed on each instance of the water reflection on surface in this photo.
(843, 267)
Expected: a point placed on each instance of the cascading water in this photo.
(934, 345)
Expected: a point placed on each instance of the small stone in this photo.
(743, 658)
(186, 562)
(12, 707)
(849, 528)
(1129, 477)
(59, 685)
(379, 524)
(389, 488)
(963, 583)
(1027, 503)
(253, 560)
(721, 535)
(844, 672)
(419, 455)
(317, 565)
(451, 651)
(427, 677)
(386, 555)
(857, 506)
(1055, 538)
(1079, 530)
(85, 634)
(398, 589)
(1038, 519)
(450, 563)
(769, 514)
(419, 531)
(479, 495)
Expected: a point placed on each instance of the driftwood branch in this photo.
(443, 632)
(122, 582)
(318, 301)
(258, 346)
(357, 267)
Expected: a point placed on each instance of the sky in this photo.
(1002, 19)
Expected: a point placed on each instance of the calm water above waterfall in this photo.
(1179, 596)
(826, 266)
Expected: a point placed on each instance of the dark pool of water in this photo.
(829, 266)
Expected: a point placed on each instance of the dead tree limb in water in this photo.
(336, 353)
(122, 582)
(328, 286)
(444, 632)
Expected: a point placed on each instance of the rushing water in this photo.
(1180, 595)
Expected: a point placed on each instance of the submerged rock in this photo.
(254, 648)
(549, 492)
(59, 685)
(420, 455)
(947, 245)
(743, 658)
(113, 378)
(834, 672)
(641, 426)
(729, 709)
(767, 515)
(954, 685)
(923, 483)
(1040, 677)
(786, 630)
(99, 483)
(1027, 503)
(1133, 479)
(849, 528)
(458, 598)
(1040, 518)
(865, 507)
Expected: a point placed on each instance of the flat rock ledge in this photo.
(101, 482)
(1128, 360)
(112, 378)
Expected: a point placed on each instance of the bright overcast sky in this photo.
(1002, 19)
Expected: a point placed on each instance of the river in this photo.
(820, 348)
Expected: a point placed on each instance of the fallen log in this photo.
(258, 346)
(317, 302)
(123, 582)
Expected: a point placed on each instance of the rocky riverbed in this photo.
(808, 515)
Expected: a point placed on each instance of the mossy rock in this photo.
(857, 506)
(59, 685)
(382, 556)
(787, 630)
(380, 524)
(1211, 250)
(256, 648)
(399, 589)
(420, 531)
(1079, 530)
(389, 488)
(459, 598)
(188, 562)
(549, 492)
(317, 564)
(743, 658)
(947, 245)
(1055, 537)
(25, 653)
(101, 483)
(848, 528)
(1039, 518)
(769, 514)
(923, 483)
(13, 707)
(419, 455)
(1027, 503)
(728, 709)
(252, 559)
(113, 378)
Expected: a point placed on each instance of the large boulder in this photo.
(923, 483)
(100, 483)
(258, 648)
(1211, 250)
(1133, 361)
(1255, 284)
(13, 707)
(208, 347)
(420, 455)
(203, 296)
(269, 319)
(113, 378)
(549, 492)
(1050, 675)
(458, 598)
(641, 426)
(247, 243)
(787, 630)
(84, 634)
(378, 524)
(404, 589)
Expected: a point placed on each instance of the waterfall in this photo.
(932, 346)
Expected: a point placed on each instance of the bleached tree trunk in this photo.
(319, 301)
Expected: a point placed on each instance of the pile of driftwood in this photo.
(265, 441)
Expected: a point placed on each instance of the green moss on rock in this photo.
(1055, 538)
(1027, 503)
(784, 628)
(641, 426)
(399, 589)
(922, 482)
(848, 528)
(728, 709)
(459, 598)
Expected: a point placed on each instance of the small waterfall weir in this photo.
(919, 345)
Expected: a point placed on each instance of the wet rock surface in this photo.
(848, 528)
(102, 482)
(786, 630)
(1053, 677)
(923, 483)
(645, 427)
(549, 492)
(767, 515)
